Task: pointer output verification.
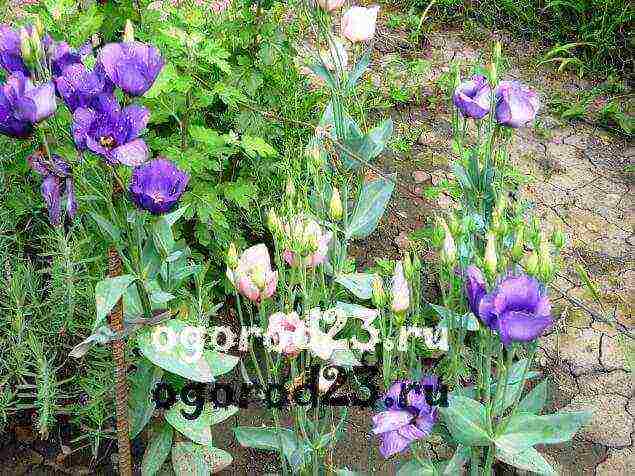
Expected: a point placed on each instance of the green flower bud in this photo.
(232, 256)
(558, 239)
(273, 222)
(379, 295)
(25, 45)
(335, 207)
(518, 249)
(531, 264)
(491, 260)
(290, 188)
(449, 247)
(128, 32)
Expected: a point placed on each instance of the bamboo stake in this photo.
(115, 319)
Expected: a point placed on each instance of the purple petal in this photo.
(475, 287)
(10, 54)
(412, 432)
(132, 66)
(516, 104)
(43, 99)
(51, 193)
(136, 119)
(132, 154)
(82, 121)
(390, 420)
(156, 186)
(71, 201)
(487, 311)
(519, 326)
(393, 443)
(516, 293)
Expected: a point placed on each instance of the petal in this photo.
(43, 99)
(136, 119)
(390, 420)
(519, 326)
(475, 287)
(82, 121)
(51, 193)
(393, 443)
(412, 432)
(71, 201)
(248, 289)
(132, 154)
(487, 311)
(517, 293)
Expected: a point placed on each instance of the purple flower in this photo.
(10, 53)
(60, 54)
(518, 309)
(110, 131)
(132, 66)
(157, 185)
(472, 97)
(475, 287)
(57, 186)
(22, 104)
(408, 416)
(80, 87)
(516, 104)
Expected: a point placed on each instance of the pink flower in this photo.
(309, 242)
(330, 5)
(253, 276)
(400, 291)
(358, 23)
(288, 333)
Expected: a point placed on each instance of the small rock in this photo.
(618, 462)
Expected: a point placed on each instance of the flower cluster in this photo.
(515, 104)
(518, 308)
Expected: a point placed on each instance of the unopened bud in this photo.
(449, 248)
(558, 239)
(497, 50)
(518, 249)
(128, 32)
(25, 45)
(407, 266)
(493, 73)
(379, 295)
(491, 261)
(232, 256)
(531, 264)
(39, 27)
(416, 263)
(545, 264)
(273, 222)
(335, 208)
(258, 277)
(36, 45)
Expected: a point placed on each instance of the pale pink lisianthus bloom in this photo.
(400, 291)
(253, 276)
(288, 333)
(358, 23)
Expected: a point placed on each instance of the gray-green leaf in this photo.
(158, 450)
(360, 284)
(529, 460)
(140, 404)
(200, 429)
(190, 459)
(467, 421)
(371, 205)
(107, 292)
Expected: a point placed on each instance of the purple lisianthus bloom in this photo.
(60, 54)
(110, 131)
(475, 287)
(518, 309)
(22, 104)
(157, 185)
(80, 87)
(57, 188)
(516, 104)
(408, 416)
(132, 66)
(472, 97)
(10, 53)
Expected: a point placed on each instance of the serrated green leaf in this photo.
(257, 146)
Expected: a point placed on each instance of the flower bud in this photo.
(518, 248)
(39, 26)
(493, 73)
(449, 248)
(258, 276)
(490, 254)
(25, 45)
(128, 32)
(558, 239)
(400, 291)
(416, 263)
(232, 256)
(497, 51)
(273, 222)
(545, 264)
(379, 296)
(335, 208)
(531, 264)
(407, 266)
(36, 45)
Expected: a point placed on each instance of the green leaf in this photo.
(348, 472)
(107, 292)
(416, 468)
(256, 146)
(267, 439)
(371, 205)
(190, 459)
(453, 320)
(172, 217)
(514, 385)
(176, 358)
(525, 430)
(455, 465)
(107, 228)
(319, 69)
(211, 138)
(528, 459)
(157, 450)
(535, 400)
(360, 284)
(242, 193)
(467, 421)
(358, 70)
(365, 147)
(199, 429)
(140, 404)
